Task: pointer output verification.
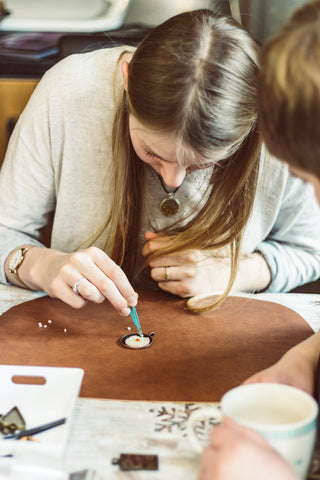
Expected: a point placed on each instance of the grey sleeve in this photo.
(292, 248)
(26, 182)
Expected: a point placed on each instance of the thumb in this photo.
(150, 235)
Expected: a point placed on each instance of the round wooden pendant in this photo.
(170, 205)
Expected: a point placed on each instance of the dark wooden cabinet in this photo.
(14, 95)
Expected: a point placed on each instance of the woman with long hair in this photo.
(151, 164)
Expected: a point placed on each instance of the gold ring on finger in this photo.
(166, 274)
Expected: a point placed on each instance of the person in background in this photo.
(289, 108)
(151, 164)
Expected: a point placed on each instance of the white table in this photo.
(101, 430)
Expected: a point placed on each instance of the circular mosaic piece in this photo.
(170, 205)
(135, 341)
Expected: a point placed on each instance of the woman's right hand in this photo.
(56, 272)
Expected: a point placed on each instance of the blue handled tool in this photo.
(135, 319)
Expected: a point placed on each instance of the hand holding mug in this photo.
(236, 452)
(285, 416)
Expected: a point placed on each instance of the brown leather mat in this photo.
(194, 358)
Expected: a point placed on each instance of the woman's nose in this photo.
(173, 175)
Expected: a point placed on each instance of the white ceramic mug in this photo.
(285, 416)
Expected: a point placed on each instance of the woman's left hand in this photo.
(186, 273)
(194, 272)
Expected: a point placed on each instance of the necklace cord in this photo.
(164, 186)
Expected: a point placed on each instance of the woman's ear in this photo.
(125, 73)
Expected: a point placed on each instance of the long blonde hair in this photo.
(289, 90)
(194, 75)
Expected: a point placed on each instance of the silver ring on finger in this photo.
(76, 285)
(166, 274)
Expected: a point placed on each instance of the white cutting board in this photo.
(49, 395)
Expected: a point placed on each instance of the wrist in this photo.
(306, 352)
(253, 275)
(265, 268)
(14, 263)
